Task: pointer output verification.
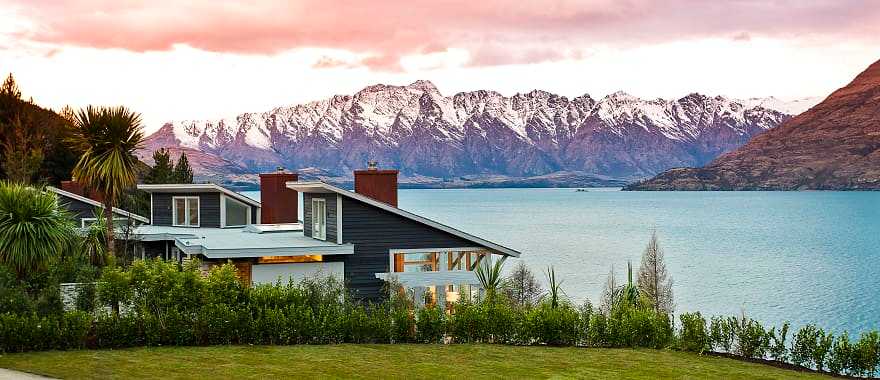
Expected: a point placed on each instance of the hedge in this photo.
(156, 304)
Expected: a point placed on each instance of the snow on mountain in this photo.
(422, 132)
(792, 107)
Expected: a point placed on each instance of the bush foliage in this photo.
(156, 303)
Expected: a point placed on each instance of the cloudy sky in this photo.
(210, 59)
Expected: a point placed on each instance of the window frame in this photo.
(223, 212)
(187, 217)
(323, 203)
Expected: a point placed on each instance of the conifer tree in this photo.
(162, 170)
(654, 281)
(182, 172)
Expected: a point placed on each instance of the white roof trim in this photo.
(317, 186)
(97, 204)
(196, 188)
(194, 248)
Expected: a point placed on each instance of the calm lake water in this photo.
(797, 256)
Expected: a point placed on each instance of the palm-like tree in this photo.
(93, 243)
(490, 276)
(108, 138)
(33, 229)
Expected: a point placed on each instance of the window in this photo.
(415, 262)
(319, 219)
(185, 212)
(438, 261)
(236, 214)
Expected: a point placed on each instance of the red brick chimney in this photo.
(380, 185)
(79, 189)
(280, 204)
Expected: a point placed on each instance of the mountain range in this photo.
(835, 145)
(475, 138)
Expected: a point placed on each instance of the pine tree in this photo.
(521, 287)
(22, 153)
(162, 170)
(182, 172)
(654, 281)
(10, 88)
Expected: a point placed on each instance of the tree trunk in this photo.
(108, 218)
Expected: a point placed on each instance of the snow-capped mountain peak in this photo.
(424, 132)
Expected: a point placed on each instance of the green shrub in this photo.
(803, 345)
(216, 323)
(554, 326)
(86, 296)
(694, 335)
(20, 333)
(222, 286)
(721, 333)
(13, 295)
(430, 325)
(503, 323)
(597, 335)
(823, 346)
(778, 350)
(840, 357)
(114, 288)
(751, 339)
(74, 329)
(867, 354)
(468, 324)
(634, 326)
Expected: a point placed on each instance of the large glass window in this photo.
(185, 211)
(438, 261)
(416, 262)
(319, 219)
(237, 213)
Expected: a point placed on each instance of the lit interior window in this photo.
(290, 259)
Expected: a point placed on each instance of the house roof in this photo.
(321, 187)
(241, 242)
(196, 188)
(95, 203)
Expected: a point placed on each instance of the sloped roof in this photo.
(321, 187)
(95, 203)
(196, 188)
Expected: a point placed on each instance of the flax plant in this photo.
(33, 229)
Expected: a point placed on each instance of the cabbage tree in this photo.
(108, 138)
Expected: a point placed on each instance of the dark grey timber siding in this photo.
(374, 232)
(330, 199)
(80, 209)
(209, 208)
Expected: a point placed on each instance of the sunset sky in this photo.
(211, 59)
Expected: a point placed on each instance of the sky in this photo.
(173, 60)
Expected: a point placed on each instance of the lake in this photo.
(805, 257)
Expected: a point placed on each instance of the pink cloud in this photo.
(493, 31)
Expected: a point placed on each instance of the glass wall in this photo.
(236, 213)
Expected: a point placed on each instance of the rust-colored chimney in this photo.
(380, 185)
(280, 204)
(77, 188)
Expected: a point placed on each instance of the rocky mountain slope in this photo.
(481, 133)
(834, 145)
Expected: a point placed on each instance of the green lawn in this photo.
(384, 361)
